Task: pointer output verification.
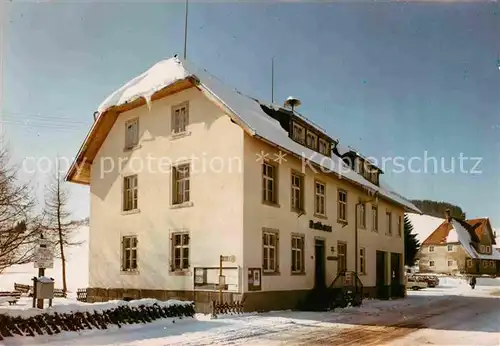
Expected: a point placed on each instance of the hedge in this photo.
(53, 322)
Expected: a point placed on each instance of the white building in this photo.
(183, 169)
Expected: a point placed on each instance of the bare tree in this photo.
(57, 223)
(19, 227)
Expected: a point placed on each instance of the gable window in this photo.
(130, 193)
(131, 133)
(389, 223)
(362, 259)
(362, 216)
(269, 183)
(297, 254)
(324, 148)
(342, 205)
(481, 248)
(312, 140)
(180, 118)
(450, 248)
(181, 189)
(400, 226)
(298, 133)
(320, 199)
(180, 251)
(297, 192)
(469, 263)
(374, 219)
(270, 251)
(129, 253)
(431, 248)
(431, 263)
(342, 259)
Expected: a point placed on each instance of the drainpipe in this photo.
(356, 245)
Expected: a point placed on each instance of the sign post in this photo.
(222, 278)
(44, 258)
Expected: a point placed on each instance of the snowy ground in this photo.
(76, 268)
(451, 314)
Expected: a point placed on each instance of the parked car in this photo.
(432, 280)
(414, 282)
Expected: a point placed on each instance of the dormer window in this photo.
(324, 148)
(298, 133)
(312, 140)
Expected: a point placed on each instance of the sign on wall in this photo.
(254, 279)
(44, 256)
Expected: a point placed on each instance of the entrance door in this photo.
(396, 269)
(381, 268)
(319, 258)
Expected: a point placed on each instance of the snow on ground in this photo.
(424, 225)
(76, 268)
(451, 313)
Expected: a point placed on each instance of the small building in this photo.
(183, 169)
(460, 246)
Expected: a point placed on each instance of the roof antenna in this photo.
(185, 30)
(272, 80)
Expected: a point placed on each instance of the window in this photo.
(485, 264)
(469, 263)
(297, 191)
(362, 216)
(342, 259)
(297, 254)
(450, 263)
(362, 259)
(181, 184)
(312, 140)
(131, 133)
(269, 181)
(450, 248)
(488, 249)
(130, 193)
(374, 218)
(324, 148)
(389, 223)
(320, 199)
(342, 212)
(492, 264)
(180, 118)
(482, 248)
(270, 252)
(180, 251)
(431, 263)
(129, 253)
(431, 248)
(400, 226)
(298, 133)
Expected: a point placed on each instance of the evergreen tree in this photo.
(411, 243)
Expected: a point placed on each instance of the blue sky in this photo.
(389, 79)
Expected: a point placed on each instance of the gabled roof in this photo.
(465, 235)
(243, 110)
(441, 235)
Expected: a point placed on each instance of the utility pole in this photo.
(272, 79)
(185, 30)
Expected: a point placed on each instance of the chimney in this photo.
(447, 215)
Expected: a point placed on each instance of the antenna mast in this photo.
(272, 79)
(185, 29)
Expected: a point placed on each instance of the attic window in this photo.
(324, 147)
(180, 118)
(131, 133)
(312, 140)
(298, 133)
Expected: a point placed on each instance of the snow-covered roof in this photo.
(245, 109)
(424, 225)
(464, 238)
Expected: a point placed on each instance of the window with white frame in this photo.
(298, 133)
(362, 216)
(431, 263)
(297, 191)
(431, 248)
(297, 254)
(129, 253)
(131, 133)
(389, 222)
(180, 118)
(269, 183)
(342, 205)
(342, 257)
(374, 218)
(181, 184)
(400, 226)
(312, 140)
(362, 260)
(180, 251)
(450, 248)
(320, 198)
(482, 248)
(130, 189)
(270, 251)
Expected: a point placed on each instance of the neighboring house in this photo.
(458, 246)
(228, 176)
